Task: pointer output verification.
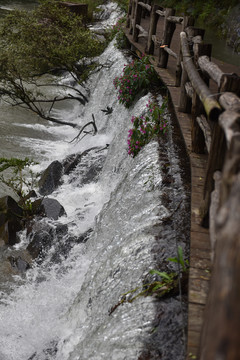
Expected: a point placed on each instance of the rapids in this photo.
(137, 212)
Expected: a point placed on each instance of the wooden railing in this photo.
(194, 69)
(215, 130)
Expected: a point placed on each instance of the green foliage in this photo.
(180, 259)
(213, 11)
(168, 283)
(137, 76)
(17, 175)
(145, 127)
(46, 38)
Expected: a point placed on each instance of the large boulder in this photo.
(10, 220)
(48, 207)
(51, 178)
(52, 209)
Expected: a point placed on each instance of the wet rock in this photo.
(85, 236)
(42, 241)
(10, 220)
(61, 229)
(65, 244)
(52, 208)
(19, 264)
(71, 162)
(51, 178)
(93, 172)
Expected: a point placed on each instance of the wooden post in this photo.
(132, 17)
(198, 138)
(211, 106)
(187, 21)
(185, 103)
(221, 330)
(137, 21)
(152, 29)
(169, 28)
(217, 153)
(130, 5)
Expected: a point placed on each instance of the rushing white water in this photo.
(60, 310)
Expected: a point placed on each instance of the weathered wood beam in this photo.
(170, 52)
(161, 13)
(189, 89)
(230, 101)
(144, 33)
(211, 105)
(229, 120)
(156, 40)
(145, 6)
(221, 330)
(175, 19)
(203, 123)
(230, 123)
(168, 30)
(152, 30)
(211, 69)
(137, 21)
(214, 206)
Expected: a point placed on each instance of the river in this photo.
(136, 211)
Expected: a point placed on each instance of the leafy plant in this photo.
(180, 259)
(145, 127)
(17, 175)
(168, 283)
(137, 76)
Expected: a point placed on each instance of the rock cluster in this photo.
(40, 222)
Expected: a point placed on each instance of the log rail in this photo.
(207, 105)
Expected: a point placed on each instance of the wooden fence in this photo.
(215, 130)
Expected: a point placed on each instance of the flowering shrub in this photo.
(145, 127)
(136, 76)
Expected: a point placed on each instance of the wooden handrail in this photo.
(215, 132)
(211, 106)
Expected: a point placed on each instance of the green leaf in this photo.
(164, 275)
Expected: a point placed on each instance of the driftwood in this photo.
(211, 106)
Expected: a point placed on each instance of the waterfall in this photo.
(135, 219)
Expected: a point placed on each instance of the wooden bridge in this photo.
(204, 95)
